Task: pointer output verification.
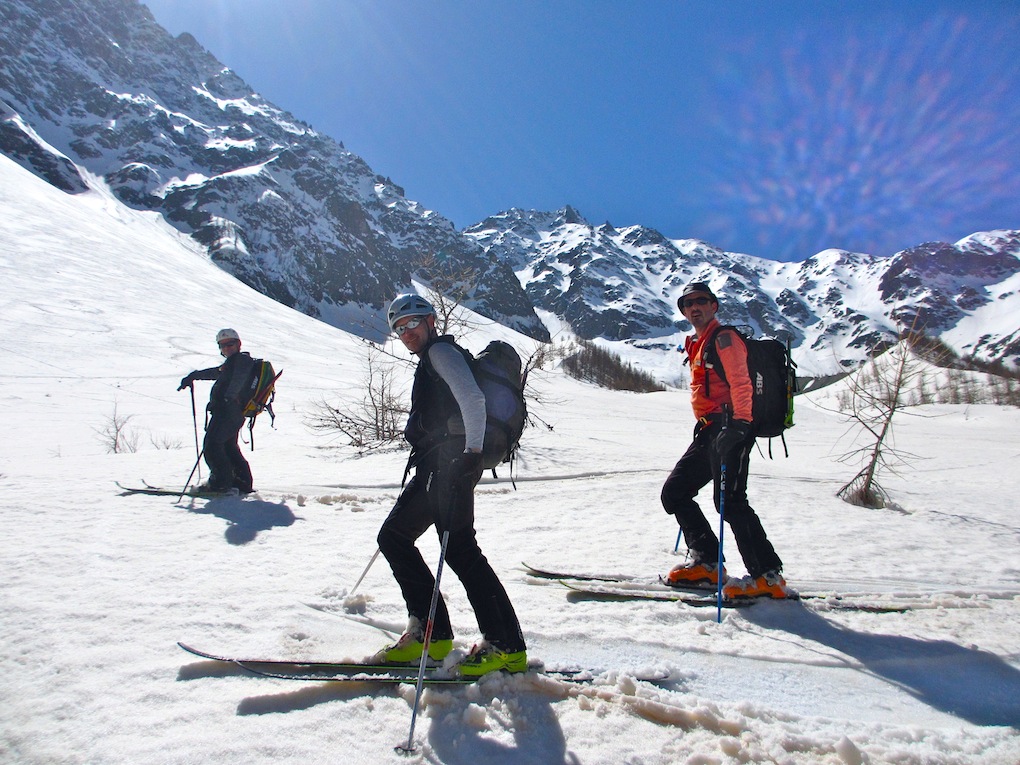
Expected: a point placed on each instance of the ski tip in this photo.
(195, 652)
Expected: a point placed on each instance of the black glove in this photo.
(186, 381)
(458, 476)
(734, 433)
(467, 464)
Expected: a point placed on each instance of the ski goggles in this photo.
(412, 324)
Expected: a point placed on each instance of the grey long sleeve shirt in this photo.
(451, 366)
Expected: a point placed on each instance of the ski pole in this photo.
(185, 489)
(679, 536)
(194, 419)
(722, 528)
(370, 562)
(409, 747)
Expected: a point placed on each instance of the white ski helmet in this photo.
(227, 334)
(408, 304)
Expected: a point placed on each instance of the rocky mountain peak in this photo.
(835, 308)
(97, 88)
(171, 129)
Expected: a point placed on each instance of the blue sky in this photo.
(773, 128)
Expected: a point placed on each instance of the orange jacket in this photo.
(732, 352)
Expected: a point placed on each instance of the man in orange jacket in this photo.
(723, 436)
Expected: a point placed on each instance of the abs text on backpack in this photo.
(260, 393)
(773, 381)
(497, 371)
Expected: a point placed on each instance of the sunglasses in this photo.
(227, 343)
(697, 301)
(412, 324)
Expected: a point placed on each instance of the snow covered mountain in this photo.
(97, 588)
(99, 84)
(835, 307)
(96, 89)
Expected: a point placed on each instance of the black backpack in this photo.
(497, 371)
(773, 381)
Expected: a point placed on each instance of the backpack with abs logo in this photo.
(497, 371)
(259, 394)
(773, 382)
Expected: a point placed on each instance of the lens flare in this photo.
(865, 147)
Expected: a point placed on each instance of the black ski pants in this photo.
(227, 466)
(440, 493)
(697, 467)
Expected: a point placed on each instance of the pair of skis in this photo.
(366, 672)
(159, 491)
(622, 587)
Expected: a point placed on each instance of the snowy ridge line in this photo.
(809, 588)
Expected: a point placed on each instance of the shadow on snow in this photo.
(467, 725)
(246, 517)
(969, 683)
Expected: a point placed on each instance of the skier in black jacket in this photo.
(228, 469)
(445, 428)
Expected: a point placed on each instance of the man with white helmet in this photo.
(445, 428)
(228, 469)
